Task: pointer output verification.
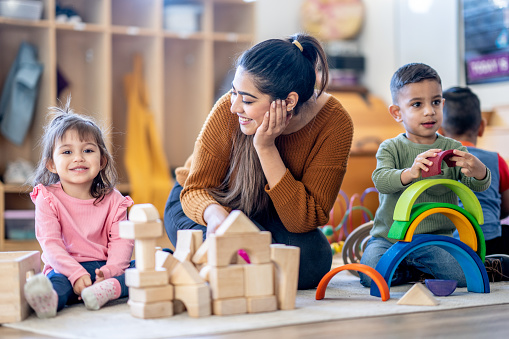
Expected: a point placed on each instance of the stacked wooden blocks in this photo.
(236, 270)
(150, 295)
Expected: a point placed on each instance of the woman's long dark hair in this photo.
(278, 67)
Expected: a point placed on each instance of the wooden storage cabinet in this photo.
(184, 73)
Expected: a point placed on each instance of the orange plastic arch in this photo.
(368, 270)
(463, 225)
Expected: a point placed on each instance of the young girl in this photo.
(77, 217)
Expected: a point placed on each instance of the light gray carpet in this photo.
(344, 298)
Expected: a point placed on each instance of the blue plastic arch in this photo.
(406, 200)
(471, 264)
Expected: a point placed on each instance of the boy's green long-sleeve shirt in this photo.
(396, 154)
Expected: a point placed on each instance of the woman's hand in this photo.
(214, 216)
(274, 123)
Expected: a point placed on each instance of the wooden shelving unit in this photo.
(183, 71)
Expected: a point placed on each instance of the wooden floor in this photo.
(490, 322)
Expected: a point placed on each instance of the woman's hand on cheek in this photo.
(274, 123)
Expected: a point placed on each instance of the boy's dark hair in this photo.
(462, 111)
(409, 74)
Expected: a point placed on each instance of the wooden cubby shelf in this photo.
(184, 73)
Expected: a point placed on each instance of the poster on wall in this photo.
(486, 27)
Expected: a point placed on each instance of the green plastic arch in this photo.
(399, 228)
(403, 208)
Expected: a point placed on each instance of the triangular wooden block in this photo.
(418, 295)
(165, 260)
(237, 222)
(200, 256)
(185, 273)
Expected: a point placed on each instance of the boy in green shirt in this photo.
(417, 103)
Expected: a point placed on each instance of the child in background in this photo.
(463, 122)
(77, 215)
(417, 103)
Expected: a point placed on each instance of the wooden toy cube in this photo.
(14, 267)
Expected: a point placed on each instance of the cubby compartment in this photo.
(82, 58)
(233, 16)
(124, 49)
(188, 99)
(39, 38)
(136, 13)
(90, 11)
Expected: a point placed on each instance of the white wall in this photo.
(393, 35)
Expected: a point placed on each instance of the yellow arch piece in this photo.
(465, 229)
(408, 197)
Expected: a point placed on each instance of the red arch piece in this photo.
(436, 168)
(368, 270)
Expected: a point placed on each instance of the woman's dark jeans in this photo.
(315, 251)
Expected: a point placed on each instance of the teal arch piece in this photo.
(471, 264)
(399, 228)
(406, 200)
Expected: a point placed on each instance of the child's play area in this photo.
(254, 168)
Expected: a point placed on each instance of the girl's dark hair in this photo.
(65, 120)
(462, 111)
(277, 67)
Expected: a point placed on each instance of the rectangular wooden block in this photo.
(226, 282)
(140, 230)
(286, 260)
(196, 298)
(14, 267)
(258, 280)
(145, 254)
(261, 304)
(188, 242)
(229, 306)
(137, 278)
(159, 309)
(224, 248)
(151, 294)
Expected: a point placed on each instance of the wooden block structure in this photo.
(150, 294)
(14, 267)
(209, 277)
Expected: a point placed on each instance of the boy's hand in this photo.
(421, 163)
(99, 275)
(81, 283)
(470, 165)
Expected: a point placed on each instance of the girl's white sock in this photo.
(98, 294)
(41, 296)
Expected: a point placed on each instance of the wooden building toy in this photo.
(286, 274)
(14, 267)
(418, 295)
(436, 167)
(441, 287)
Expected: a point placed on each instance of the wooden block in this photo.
(223, 248)
(196, 298)
(188, 242)
(140, 230)
(266, 303)
(204, 272)
(229, 306)
(200, 256)
(258, 280)
(159, 309)
(151, 294)
(237, 222)
(145, 252)
(14, 267)
(165, 260)
(184, 273)
(226, 282)
(143, 213)
(286, 261)
(137, 278)
(418, 295)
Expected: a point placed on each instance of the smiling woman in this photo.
(274, 148)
